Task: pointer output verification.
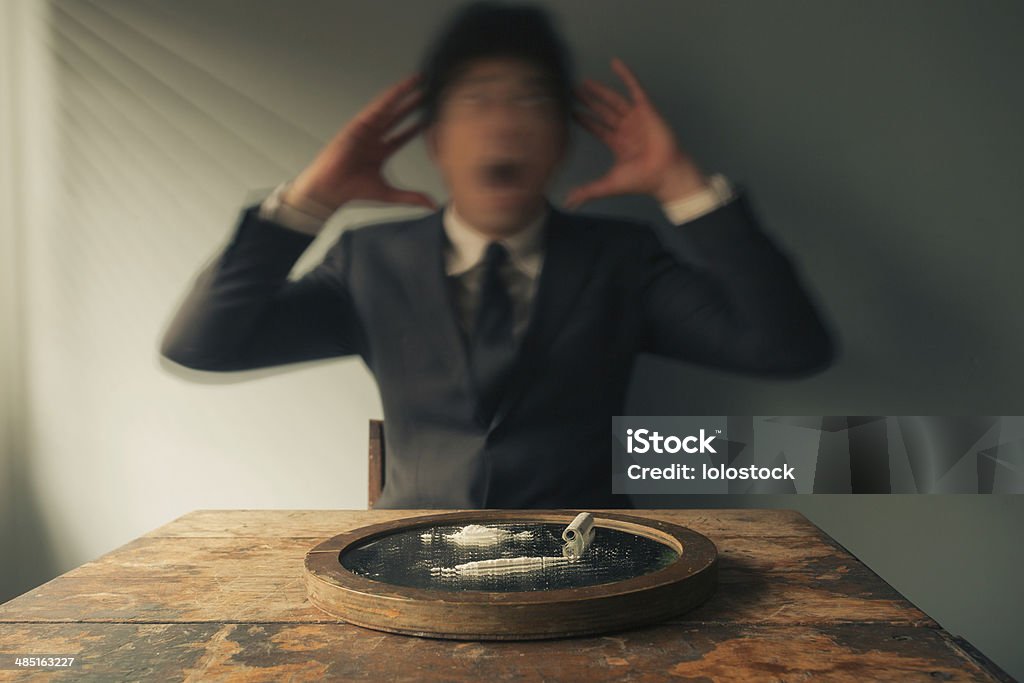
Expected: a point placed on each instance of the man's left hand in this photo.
(647, 158)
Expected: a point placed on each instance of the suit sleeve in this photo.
(738, 305)
(244, 313)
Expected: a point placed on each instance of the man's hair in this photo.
(493, 29)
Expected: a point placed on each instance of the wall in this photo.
(880, 142)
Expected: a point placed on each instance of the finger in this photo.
(394, 95)
(602, 187)
(608, 114)
(386, 102)
(593, 125)
(396, 141)
(392, 119)
(611, 98)
(410, 197)
(636, 91)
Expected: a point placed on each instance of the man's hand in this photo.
(647, 158)
(349, 167)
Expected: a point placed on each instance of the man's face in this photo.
(498, 139)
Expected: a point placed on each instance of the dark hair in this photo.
(494, 29)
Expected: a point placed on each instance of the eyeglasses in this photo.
(474, 102)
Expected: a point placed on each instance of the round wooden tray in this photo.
(514, 615)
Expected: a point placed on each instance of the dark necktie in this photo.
(492, 345)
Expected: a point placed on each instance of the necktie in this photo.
(492, 346)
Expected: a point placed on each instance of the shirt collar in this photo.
(466, 245)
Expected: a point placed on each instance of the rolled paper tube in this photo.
(578, 536)
(573, 550)
(580, 526)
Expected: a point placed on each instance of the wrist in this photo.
(683, 180)
(719, 193)
(304, 220)
(302, 199)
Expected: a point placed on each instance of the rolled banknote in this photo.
(578, 536)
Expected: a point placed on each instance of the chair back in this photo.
(376, 461)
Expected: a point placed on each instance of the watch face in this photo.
(504, 557)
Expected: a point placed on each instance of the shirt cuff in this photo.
(304, 216)
(718, 193)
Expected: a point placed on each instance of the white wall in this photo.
(162, 131)
(11, 392)
(26, 163)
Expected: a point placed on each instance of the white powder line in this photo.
(478, 535)
(504, 565)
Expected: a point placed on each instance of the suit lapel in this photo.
(568, 260)
(428, 290)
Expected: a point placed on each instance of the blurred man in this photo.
(502, 330)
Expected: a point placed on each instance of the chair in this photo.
(376, 461)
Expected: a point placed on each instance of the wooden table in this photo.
(218, 594)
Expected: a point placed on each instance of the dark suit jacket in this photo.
(609, 289)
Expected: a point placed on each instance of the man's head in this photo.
(497, 105)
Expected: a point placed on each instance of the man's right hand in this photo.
(349, 167)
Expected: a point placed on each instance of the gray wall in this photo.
(880, 141)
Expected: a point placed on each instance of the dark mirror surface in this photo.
(440, 557)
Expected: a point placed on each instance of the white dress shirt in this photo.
(520, 272)
(466, 245)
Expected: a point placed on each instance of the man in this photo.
(502, 330)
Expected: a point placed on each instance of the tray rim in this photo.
(484, 615)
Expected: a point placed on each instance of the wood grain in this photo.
(314, 652)
(322, 524)
(261, 580)
(219, 594)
